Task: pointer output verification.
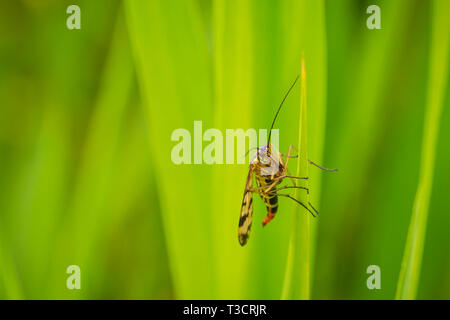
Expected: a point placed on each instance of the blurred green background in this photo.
(86, 118)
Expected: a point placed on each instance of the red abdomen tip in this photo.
(266, 220)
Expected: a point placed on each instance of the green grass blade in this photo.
(134, 214)
(315, 49)
(308, 34)
(368, 72)
(87, 216)
(173, 69)
(235, 90)
(298, 269)
(10, 287)
(412, 259)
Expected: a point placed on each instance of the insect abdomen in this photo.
(270, 198)
(272, 208)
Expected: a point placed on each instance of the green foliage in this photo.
(298, 267)
(437, 84)
(86, 118)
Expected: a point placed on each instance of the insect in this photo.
(270, 170)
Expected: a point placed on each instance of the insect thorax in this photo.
(265, 164)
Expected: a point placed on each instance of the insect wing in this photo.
(245, 220)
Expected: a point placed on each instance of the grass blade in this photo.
(298, 268)
(234, 93)
(9, 281)
(87, 216)
(411, 264)
(173, 69)
(349, 195)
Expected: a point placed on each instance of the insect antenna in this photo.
(276, 115)
(257, 154)
(246, 154)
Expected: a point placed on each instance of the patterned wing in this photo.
(245, 220)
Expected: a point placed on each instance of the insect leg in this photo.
(268, 190)
(293, 187)
(317, 212)
(287, 157)
(274, 192)
(290, 187)
(285, 176)
(292, 178)
(289, 152)
(320, 167)
(293, 181)
(311, 162)
(287, 162)
(301, 203)
(258, 189)
(295, 177)
(275, 182)
(269, 187)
